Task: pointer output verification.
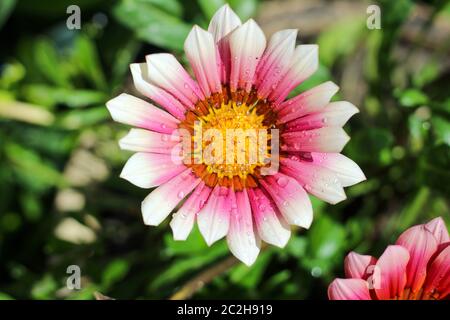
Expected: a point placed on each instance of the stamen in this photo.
(224, 112)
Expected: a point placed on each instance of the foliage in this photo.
(62, 203)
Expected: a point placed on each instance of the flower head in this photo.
(241, 89)
(417, 267)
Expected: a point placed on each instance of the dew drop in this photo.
(180, 195)
(282, 181)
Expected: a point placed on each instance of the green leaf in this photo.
(122, 59)
(152, 24)
(47, 60)
(11, 74)
(244, 9)
(172, 7)
(250, 277)
(428, 73)
(6, 8)
(181, 267)
(340, 40)
(297, 246)
(434, 168)
(44, 288)
(51, 96)
(194, 244)
(327, 242)
(29, 166)
(25, 112)
(370, 145)
(76, 119)
(414, 208)
(5, 296)
(87, 59)
(441, 129)
(209, 7)
(114, 272)
(412, 98)
(327, 238)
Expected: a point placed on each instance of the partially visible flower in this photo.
(417, 267)
(242, 83)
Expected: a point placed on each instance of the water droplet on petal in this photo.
(180, 195)
(282, 181)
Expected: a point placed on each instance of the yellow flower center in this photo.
(230, 139)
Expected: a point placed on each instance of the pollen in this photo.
(230, 139)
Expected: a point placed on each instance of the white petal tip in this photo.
(247, 257)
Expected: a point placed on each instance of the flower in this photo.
(417, 267)
(242, 83)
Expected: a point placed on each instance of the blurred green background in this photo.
(62, 202)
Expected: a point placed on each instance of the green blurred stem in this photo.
(410, 214)
(25, 112)
(195, 284)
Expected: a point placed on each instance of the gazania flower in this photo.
(417, 267)
(242, 82)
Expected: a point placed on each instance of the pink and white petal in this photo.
(271, 227)
(438, 279)
(247, 44)
(136, 112)
(202, 54)
(183, 220)
(275, 61)
(335, 114)
(223, 22)
(348, 289)
(421, 245)
(161, 201)
(312, 100)
(166, 72)
(347, 171)
(326, 139)
(147, 170)
(141, 140)
(390, 273)
(241, 237)
(290, 198)
(304, 63)
(438, 228)
(139, 71)
(214, 218)
(355, 265)
(319, 181)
